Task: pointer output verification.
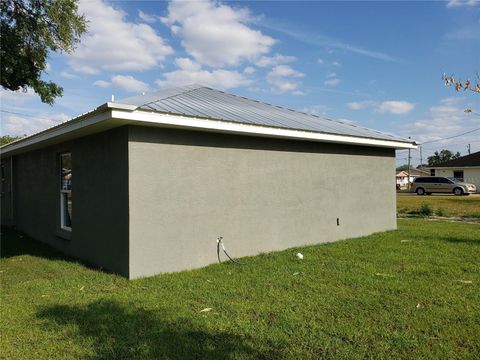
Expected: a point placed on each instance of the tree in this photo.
(403, 167)
(442, 156)
(5, 139)
(30, 29)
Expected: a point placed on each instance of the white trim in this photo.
(62, 211)
(64, 192)
(148, 118)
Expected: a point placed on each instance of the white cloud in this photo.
(16, 97)
(395, 107)
(68, 75)
(332, 82)
(316, 109)
(216, 34)
(249, 70)
(327, 42)
(282, 78)
(359, 105)
(112, 43)
(445, 120)
(320, 61)
(124, 82)
(458, 3)
(18, 125)
(336, 63)
(190, 72)
(277, 59)
(129, 83)
(147, 17)
(102, 83)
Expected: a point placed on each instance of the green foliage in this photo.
(452, 206)
(425, 210)
(403, 167)
(440, 212)
(442, 156)
(30, 29)
(405, 294)
(5, 139)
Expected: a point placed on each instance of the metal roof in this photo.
(204, 102)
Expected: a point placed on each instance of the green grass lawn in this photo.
(443, 205)
(410, 293)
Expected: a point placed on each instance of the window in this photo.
(443, 181)
(66, 191)
(458, 174)
(432, 172)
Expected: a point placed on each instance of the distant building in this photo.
(403, 177)
(465, 168)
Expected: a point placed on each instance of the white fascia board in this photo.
(150, 118)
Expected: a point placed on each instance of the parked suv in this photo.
(436, 184)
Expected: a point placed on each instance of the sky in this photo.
(376, 64)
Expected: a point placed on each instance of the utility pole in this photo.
(421, 159)
(408, 169)
(468, 148)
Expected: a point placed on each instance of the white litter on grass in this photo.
(404, 241)
(81, 289)
(296, 273)
(418, 306)
(466, 281)
(384, 275)
(299, 256)
(205, 310)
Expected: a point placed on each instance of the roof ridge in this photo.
(190, 88)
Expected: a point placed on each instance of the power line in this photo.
(23, 114)
(451, 137)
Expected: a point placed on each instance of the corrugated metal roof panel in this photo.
(205, 102)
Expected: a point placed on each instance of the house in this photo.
(465, 168)
(146, 185)
(403, 177)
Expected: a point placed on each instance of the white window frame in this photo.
(63, 194)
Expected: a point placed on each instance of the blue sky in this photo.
(378, 64)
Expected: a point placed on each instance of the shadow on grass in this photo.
(119, 332)
(14, 243)
(456, 240)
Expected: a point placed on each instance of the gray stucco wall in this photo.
(186, 188)
(100, 198)
(6, 192)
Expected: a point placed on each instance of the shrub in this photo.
(425, 210)
(440, 212)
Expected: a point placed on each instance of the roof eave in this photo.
(141, 117)
(115, 114)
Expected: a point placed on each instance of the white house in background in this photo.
(403, 178)
(465, 168)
